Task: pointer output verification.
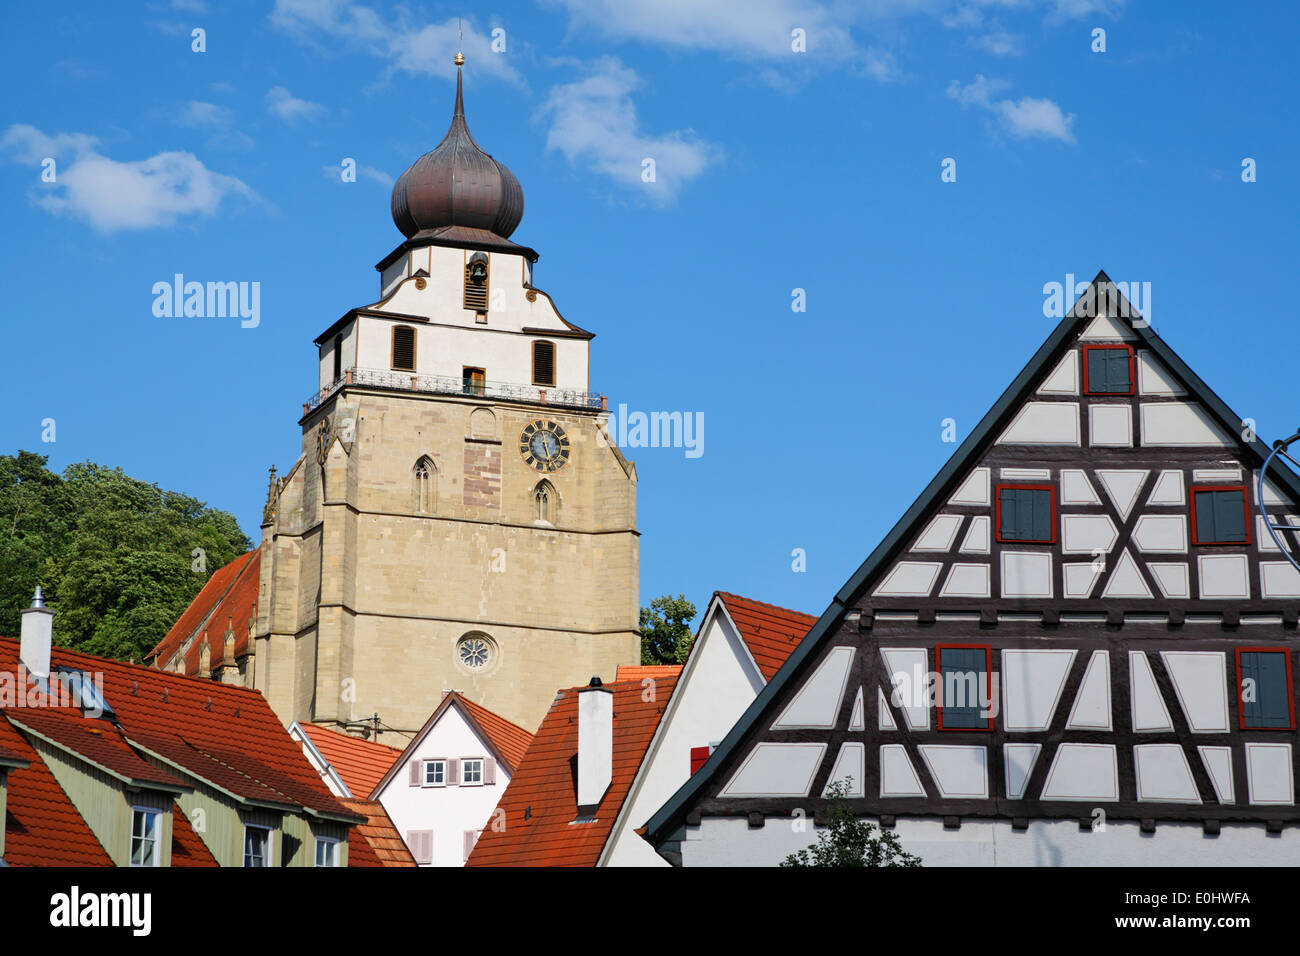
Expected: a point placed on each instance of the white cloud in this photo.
(998, 42)
(421, 49)
(334, 175)
(199, 113)
(1025, 118)
(112, 195)
(280, 102)
(1078, 9)
(594, 123)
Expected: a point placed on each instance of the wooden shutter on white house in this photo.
(414, 771)
(453, 772)
(420, 843)
(471, 837)
(489, 771)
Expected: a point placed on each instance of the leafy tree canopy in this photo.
(115, 556)
(666, 630)
(848, 841)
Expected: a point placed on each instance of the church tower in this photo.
(458, 518)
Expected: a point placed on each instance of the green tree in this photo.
(115, 555)
(848, 841)
(666, 630)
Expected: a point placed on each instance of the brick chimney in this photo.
(36, 636)
(595, 745)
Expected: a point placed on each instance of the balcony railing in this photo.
(447, 385)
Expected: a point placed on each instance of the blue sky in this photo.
(776, 170)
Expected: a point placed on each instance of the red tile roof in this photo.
(42, 827)
(360, 763)
(97, 741)
(375, 842)
(510, 740)
(188, 848)
(544, 785)
(227, 602)
(771, 633)
(224, 734)
(642, 671)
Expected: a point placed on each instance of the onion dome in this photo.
(457, 186)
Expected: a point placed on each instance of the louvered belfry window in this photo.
(543, 363)
(476, 283)
(404, 348)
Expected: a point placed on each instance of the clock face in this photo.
(544, 446)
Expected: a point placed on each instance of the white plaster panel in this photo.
(817, 705)
(1154, 378)
(1084, 534)
(884, 716)
(1278, 579)
(1161, 534)
(1083, 772)
(1026, 574)
(1174, 578)
(1265, 539)
(1200, 681)
(1064, 379)
(1019, 760)
(1269, 777)
(897, 775)
(1272, 494)
(1218, 764)
(907, 667)
(1026, 474)
(939, 534)
(974, 490)
(966, 580)
(1110, 426)
(1044, 423)
(959, 772)
(858, 719)
(1123, 486)
(776, 770)
(1168, 489)
(1079, 579)
(1125, 580)
(910, 579)
(1107, 328)
(1179, 424)
(1149, 711)
(1223, 576)
(977, 536)
(1076, 489)
(1091, 708)
(850, 767)
(1032, 681)
(1206, 475)
(1163, 774)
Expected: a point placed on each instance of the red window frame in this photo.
(988, 673)
(1132, 377)
(997, 512)
(1290, 687)
(1245, 505)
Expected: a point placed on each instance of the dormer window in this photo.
(476, 282)
(403, 348)
(544, 363)
(144, 836)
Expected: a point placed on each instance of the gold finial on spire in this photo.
(460, 59)
(460, 39)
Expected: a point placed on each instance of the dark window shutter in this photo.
(963, 711)
(1026, 514)
(1271, 707)
(489, 771)
(453, 772)
(1230, 515)
(404, 348)
(414, 771)
(543, 363)
(699, 757)
(1108, 371)
(1206, 528)
(338, 357)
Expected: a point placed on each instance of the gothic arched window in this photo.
(546, 503)
(426, 486)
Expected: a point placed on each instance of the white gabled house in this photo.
(442, 789)
(739, 646)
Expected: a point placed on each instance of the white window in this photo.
(257, 845)
(327, 851)
(471, 771)
(145, 824)
(435, 773)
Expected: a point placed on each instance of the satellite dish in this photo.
(1280, 449)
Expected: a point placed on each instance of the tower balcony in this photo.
(399, 381)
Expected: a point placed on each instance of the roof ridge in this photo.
(776, 607)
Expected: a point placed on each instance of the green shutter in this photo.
(963, 711)
(1271, 707)
(1026, 514)
(1230, 515)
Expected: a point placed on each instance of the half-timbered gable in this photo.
(1080, 627)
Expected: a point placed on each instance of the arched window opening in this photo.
(546, 503)
(426, 486)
